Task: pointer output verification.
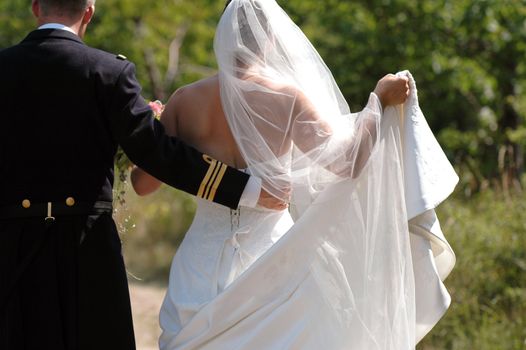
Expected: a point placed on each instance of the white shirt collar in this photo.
(57, 26)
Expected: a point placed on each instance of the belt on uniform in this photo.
(48, 211)
(51, 210)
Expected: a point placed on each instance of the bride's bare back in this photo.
(194, 114)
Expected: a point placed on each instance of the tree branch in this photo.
(174, 54)
(152, 68)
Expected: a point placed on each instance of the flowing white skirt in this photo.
(346, 275)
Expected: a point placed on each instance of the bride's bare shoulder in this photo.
(187, 98)
(189, 105)
(201, 88)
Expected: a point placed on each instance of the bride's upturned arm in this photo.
(391, 90)
(341, 146)
(346, 148)
(366, 134)
(142, 182)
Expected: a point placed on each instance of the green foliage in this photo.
(488, 283)
(144, 32)
(16, 21)
(152, 228)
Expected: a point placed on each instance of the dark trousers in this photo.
(74, 293)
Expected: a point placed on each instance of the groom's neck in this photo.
(78, 22)
(75, 25)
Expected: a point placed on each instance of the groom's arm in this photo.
(144, 140)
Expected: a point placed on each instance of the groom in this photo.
(65, 109)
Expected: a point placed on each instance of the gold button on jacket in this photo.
(70, 201)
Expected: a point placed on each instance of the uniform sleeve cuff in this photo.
(250, 196)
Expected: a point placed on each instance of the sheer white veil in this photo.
(286, 112)
(347, 257)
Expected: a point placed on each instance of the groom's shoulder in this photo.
(8, 57)
(6, 51)
(106, 60)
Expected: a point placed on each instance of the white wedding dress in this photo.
(218, 247)
(252, 279)
(361, 265)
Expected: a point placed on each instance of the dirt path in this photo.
(146, 301)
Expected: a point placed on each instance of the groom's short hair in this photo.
(64, 7)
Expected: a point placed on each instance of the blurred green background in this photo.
(469, 60)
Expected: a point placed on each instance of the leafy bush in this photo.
(488, 283)
(151, 229)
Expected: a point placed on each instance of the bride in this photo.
(334, 271)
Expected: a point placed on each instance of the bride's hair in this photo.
(64, 7)
(247, 36)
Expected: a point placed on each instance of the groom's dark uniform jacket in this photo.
(65, 108)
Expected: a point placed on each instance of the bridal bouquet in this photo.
(157, 108)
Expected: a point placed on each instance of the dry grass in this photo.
(146, 302)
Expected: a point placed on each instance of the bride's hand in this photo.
(392, 90)
(270, 202)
